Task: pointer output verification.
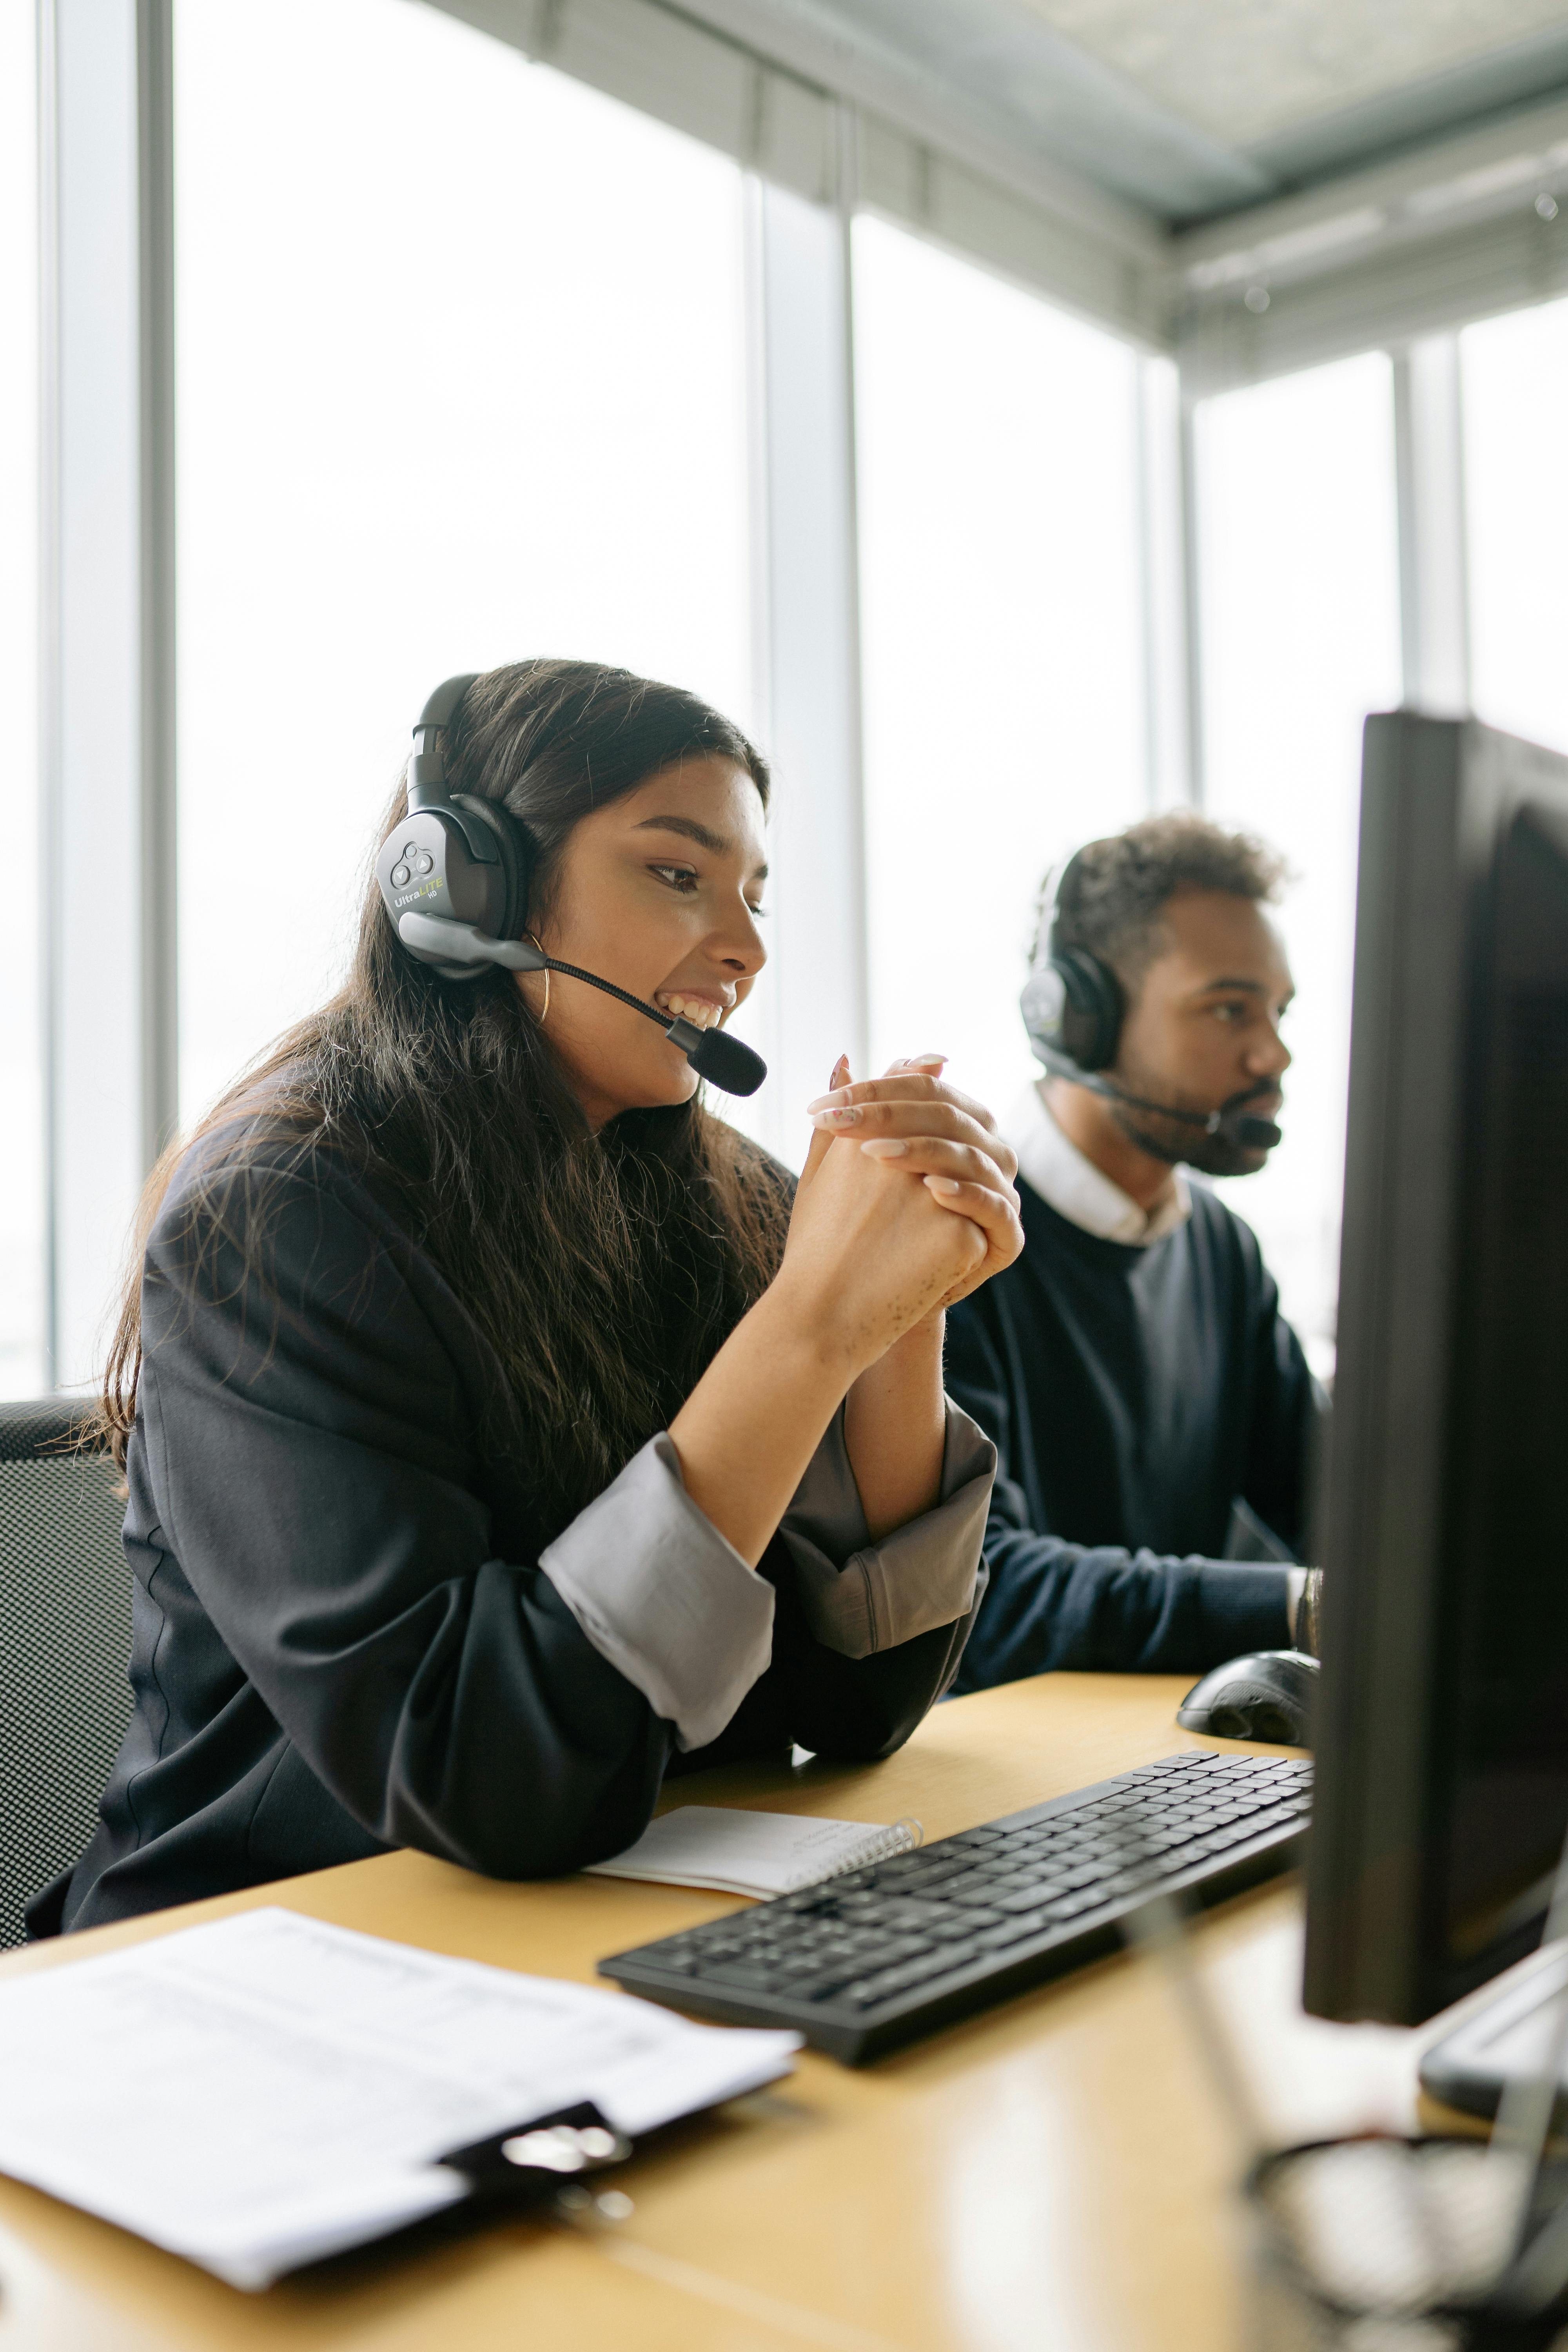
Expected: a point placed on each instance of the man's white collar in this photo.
(1070, 1183)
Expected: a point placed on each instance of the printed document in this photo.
(265, 2090)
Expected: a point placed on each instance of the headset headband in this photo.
(1072, 1003)
(427, 762)
(1062, 875)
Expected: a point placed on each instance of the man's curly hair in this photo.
(1116, 888)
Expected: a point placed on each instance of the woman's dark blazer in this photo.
(348, 1634)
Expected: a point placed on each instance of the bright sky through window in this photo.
(1000, 603)
(1299, 629)
(1516, 469)
(462, 378)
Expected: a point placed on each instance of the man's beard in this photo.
(1183, 1141)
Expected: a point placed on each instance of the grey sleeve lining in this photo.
(860, 1597)
(660, 1593)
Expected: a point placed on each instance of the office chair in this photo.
(65, 1645)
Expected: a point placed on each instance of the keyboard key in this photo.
(890, 1948)
(897, 1909)
(1027, 1899)
(1011, 1882)
(968, 1882)
(867, 1990)
(958, 1956)
(742, 1975)
(1069, 1906)
(1014, 1930)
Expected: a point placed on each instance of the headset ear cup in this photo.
(516, 853)
(1092, 1012)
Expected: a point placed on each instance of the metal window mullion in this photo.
(809, 636)
(1192, 597)
(48, 652)
(1162, 560)
(846, 534)
(107, 640)
(1428, 441)
(159, 913)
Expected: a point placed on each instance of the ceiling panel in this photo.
(1246, 71)
(1179, 111)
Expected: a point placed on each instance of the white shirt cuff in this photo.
(859, 1597)
(660, 1593)
(1294, 1586)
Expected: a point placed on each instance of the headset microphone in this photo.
(1233, 1120)
(453, 879)
(712, 1055)
(1230, 1120)
(1257, 1134)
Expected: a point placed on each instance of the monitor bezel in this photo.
(1437, 797)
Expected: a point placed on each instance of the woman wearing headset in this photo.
(498, 1432)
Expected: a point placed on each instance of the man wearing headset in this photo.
(1152, 1407)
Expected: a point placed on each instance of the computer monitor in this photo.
(1441, 1794)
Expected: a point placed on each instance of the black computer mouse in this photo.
(1269, 1695)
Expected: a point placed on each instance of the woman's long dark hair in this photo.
(605, 1269)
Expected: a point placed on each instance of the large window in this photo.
(1516, 467)
(1299, 628)
(1002, 662)
(462, 378)
(23, 1370)
(463, 360)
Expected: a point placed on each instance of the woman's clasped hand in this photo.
(906, 1203)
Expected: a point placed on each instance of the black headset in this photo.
(454, 876)
(456, 860)
(1073, 1004)
(1073, 1007)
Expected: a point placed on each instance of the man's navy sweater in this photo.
(1134, 1395)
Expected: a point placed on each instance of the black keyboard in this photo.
(881, 1956)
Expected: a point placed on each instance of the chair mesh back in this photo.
(65, 1645)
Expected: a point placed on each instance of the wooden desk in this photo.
(1051, 2174)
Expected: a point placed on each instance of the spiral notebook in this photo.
(755, 1854)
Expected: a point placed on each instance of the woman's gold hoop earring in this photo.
(544, 1008)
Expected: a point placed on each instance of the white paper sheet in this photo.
(267, 2089)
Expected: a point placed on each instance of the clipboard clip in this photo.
(531, 2161)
